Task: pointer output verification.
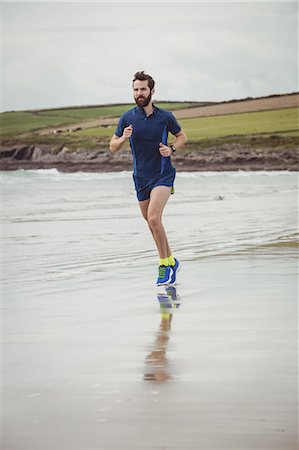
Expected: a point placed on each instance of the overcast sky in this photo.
(73, 53)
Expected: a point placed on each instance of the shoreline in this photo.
(228, 157)
(77, 167)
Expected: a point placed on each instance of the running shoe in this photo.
(174, 270)
(165, 274)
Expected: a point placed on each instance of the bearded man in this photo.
(147, 128)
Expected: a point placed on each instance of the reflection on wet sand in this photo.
(157, 369)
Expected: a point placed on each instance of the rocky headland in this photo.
(229, 156)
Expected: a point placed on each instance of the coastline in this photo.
(229, 157)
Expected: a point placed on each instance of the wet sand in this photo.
(100, 365)
(98, 358)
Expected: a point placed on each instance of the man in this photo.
(147, 127)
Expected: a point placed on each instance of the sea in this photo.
(96, 357)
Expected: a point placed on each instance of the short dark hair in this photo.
(144, 76)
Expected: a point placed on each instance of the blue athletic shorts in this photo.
(144, 186)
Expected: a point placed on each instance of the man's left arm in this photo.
(179, 140)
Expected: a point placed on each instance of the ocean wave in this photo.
(27, 176)
(54, 174)
(234, 174)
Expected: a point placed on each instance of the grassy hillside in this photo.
(272, 128)
(13, 123)
(259, 128)
(279, 122)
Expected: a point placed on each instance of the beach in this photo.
(96, 357)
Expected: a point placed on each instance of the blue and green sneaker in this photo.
(165, 274)
(174, 270)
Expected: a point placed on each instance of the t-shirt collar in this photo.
(142, 111)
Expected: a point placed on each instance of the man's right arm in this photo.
(117, 142)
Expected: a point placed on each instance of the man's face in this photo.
(142, 93)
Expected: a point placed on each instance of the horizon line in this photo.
(102, 105)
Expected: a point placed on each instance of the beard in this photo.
(142, 102)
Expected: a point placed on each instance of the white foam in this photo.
(233, 174)
(28, 176)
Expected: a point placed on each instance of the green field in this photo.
(19, 122)
(201, 132)
(279, 122)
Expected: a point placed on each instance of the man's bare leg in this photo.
(152, 210)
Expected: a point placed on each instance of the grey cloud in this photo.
(88, 52)
(78, 29)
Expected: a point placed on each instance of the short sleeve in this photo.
(173, 125)
(121, 126)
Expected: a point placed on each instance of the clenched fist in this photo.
(164, 150)
(128, 132)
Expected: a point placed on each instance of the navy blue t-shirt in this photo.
(148, 132)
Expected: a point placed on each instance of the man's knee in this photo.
(154, 221)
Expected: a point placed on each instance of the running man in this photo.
(147, 127)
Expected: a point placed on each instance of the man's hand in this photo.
(117, 142)
(128, 132)
(164, 150)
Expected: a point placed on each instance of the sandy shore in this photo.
(95, 357)
(95, 366)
